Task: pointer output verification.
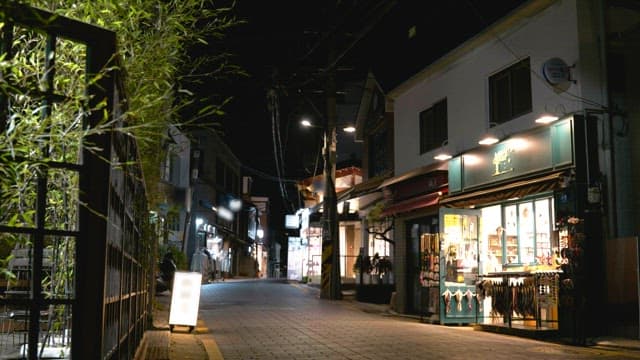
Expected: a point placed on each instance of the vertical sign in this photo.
(185, 299)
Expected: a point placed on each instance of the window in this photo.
(173, 220)
(527, 233)
(171, 167)
(433, 126)
(379, 160)
(510, 92)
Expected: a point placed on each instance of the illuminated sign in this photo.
(540, 149)
(185, 299)
(502, 161)
(291, 222)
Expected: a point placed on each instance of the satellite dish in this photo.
(556, 71)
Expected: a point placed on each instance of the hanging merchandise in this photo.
(447, 300)
(458, 296)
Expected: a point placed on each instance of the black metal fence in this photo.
(75, 267)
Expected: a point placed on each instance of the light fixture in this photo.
(443, 154)
(235, 204)
(349, 128)
(489, 138)
(546, 119)
(305, 123)
(224, 213)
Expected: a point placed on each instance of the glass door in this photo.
(459, 264)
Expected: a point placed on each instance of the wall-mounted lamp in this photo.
(223, 213)
(546, 118)
(443, 154)
(490, 137)
(235, 205)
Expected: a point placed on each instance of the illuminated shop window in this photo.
(524, 238)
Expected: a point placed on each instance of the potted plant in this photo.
(383, 268)
(362, 267)
(378, 292)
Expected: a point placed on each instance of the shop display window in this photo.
(525, 238)
(460, 248)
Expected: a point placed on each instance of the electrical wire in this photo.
(564, 94)
(275, 136)
(371, 18)
(265, 176)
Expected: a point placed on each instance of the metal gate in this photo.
(75, 267)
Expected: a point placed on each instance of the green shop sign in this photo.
(545, 148)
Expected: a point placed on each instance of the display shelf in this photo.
(495, 248)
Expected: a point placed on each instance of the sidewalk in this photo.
(162, 344)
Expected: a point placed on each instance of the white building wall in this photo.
(540, 30)
(552, 32)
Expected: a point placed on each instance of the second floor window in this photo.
(433, 126)
(379, 154)
(510, 92)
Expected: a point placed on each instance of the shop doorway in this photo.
(459, 263)
(417, 284)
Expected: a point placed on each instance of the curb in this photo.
(211, 347)
(203, 334)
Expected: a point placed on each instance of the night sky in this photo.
(282, 47)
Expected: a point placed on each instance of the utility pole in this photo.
(330, 276)
(331, 287)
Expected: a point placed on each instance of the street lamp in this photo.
(306, 123)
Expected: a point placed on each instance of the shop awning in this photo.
(413, 173)
(511, 190)
(370, 186)
(413, 203)
(341, 196)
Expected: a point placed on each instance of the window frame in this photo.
(515, 99)
(433, 130)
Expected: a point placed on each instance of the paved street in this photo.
(275, 320)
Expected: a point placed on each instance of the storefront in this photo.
(513, 229)
(412, 203)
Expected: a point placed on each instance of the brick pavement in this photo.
(162, 344)
(274, 334)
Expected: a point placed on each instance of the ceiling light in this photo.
(349, 128)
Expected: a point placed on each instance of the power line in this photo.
(538, 76)
(265, 176)
(275, 134)
(371, 18)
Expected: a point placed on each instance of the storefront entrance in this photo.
(422, 235)
(459, 264)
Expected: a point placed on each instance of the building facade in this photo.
(544, 205)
